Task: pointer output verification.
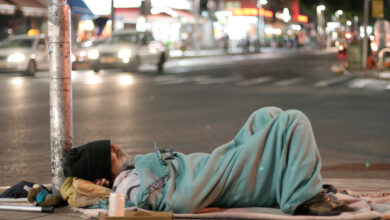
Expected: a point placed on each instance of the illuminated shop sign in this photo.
(286, 17)
(251, 12)
(302, 18)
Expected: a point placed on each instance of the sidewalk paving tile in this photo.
(66, 213)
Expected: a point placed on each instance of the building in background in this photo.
(283, 24)
(20, 16)
(177, 23)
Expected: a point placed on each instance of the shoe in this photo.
(322, 204)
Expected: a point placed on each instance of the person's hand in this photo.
(102, 182)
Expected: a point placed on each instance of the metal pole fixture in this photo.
(112, 16)
(46, 209)
(365, 38)
(61, 131)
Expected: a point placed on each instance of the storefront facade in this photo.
(245, 21)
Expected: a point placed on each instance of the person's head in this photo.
(118, 160)
(95, 160)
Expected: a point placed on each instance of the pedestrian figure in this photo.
(226, 43)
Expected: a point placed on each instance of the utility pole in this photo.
(320, 26)
(195, 34)
(61, 130)
(365, 38)
(112, 17)
(260, 22)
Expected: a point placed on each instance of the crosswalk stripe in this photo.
(170, 80)
(90, 77)
(165, 78)
(218, 80)
(258, 80)
(175, 81)
(376, 84)
(332, 81)
(289, 81)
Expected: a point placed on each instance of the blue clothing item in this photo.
(273, 160)
(19, 190)
(42, 195)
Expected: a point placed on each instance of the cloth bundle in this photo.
(82, 193)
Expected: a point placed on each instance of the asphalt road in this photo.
(198, 104)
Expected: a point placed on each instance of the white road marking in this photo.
(375, 84)
(289, 81)
(175, 81)
(385, 75)
(218, 80)
(332, 81)
(165, 78)
(170, 80)
(258, 80)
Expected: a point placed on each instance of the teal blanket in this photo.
(272, 161)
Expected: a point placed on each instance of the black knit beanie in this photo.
(91, 161)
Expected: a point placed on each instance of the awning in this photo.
(31, 8)
(79, 7)
(187, 15)
(132, 14)
(6, 8)
(127, 14)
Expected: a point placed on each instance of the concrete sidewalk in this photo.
(65, 213)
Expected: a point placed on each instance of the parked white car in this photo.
(128, 50)
(25, 54)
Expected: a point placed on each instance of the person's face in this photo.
(118, 159)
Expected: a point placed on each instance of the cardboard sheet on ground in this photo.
(367, 206)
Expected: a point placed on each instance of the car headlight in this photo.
(93, 54)
(124, 53)
(16, 58)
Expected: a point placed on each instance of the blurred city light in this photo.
(93, 54)
(16, 81)
(296, 27)
(88, 25)
(126, 80)
(374, 47)
(286, 15)
(93, 79)
(369, 30)
(262, 2)
(16, 58)
(321, 8)
(339, 12)
(303, 18)
(276, 31)
(349, 23)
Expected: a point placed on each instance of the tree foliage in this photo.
(350, 8)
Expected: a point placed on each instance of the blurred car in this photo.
(128, 50)
(81, 56)
(24, 53)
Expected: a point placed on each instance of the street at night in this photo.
(199, 104)
(194, 109)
